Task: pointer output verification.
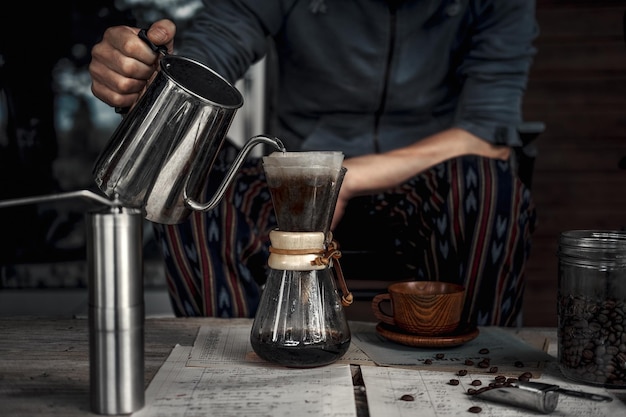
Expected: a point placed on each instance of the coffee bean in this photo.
(469, 362)
(439, 356)
(475, 409)
(462, 372)
(407, 397)
(476, 382)
(493, 369)
(519, 364)
(587, 354)
(483, 351)
(454, 382)
(471, 391)
(428, 362)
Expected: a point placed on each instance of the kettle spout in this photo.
(230, 175)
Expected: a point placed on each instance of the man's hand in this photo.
(122, 63)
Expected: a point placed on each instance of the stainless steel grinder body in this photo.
(116, 306)
(116, 310)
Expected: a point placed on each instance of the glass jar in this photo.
(592, 307)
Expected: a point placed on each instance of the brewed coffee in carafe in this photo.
(300, 321)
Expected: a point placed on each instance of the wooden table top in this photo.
(44, 362)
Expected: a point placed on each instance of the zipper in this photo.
(393, 7)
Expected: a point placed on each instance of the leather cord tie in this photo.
(331, 257)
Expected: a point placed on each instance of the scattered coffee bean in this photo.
(428, 362)
(476, 382)
(471, 391)
(526, 376)
(462, 372)
(483, 364)
(519, 364)
(483, 351)
(469, 362)
(500, 379)
(475, 409)
(493, 369)
(454, 382)
(439, 356)
(407, 397)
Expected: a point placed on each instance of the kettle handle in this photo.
(230, 175)
(159, 49)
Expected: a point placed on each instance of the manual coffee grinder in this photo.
(114, 236)
(300, 321)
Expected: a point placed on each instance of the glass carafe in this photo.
(300, 321)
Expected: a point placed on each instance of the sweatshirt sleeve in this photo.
(495, 70)
(229, 35)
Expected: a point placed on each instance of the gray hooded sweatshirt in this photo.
(364, 76)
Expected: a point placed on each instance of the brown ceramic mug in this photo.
(428, 308)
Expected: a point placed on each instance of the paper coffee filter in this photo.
(305, 159)
(313, 174)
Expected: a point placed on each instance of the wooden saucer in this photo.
(397, 335)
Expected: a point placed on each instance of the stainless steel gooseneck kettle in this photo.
(160, 156)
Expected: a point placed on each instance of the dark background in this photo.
(577, 88)
(52, 129)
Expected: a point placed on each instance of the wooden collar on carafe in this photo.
(306, 251)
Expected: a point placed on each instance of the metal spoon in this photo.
(535, 396)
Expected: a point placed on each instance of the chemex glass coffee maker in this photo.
(300, 321)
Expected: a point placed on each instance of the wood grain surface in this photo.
(44, 362)
(60, 383)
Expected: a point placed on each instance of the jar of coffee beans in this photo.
(592, 307)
